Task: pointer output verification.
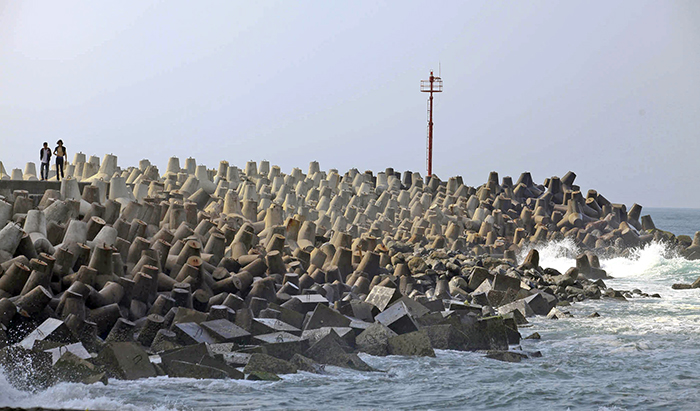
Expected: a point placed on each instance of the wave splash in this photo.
(69, 396)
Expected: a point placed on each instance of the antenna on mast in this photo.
(433, 85)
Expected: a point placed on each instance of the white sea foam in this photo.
(70, 396)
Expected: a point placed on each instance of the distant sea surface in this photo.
(639, 354)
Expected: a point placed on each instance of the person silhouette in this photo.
(45, 156)
(61, 154)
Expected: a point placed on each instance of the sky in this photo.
(607, 89)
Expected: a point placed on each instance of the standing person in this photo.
(45, 156)
(61, 154)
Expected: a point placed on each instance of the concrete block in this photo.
(268, 363)
(415, 343)
(398, 318)
(226, 331)
(126, 361)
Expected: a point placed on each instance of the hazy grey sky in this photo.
(608, 89)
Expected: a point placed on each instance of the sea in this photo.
(640, 354)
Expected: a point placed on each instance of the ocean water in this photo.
(640, 354)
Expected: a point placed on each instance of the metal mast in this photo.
(434, 85)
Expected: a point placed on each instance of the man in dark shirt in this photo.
(61, 154)
(45, 157)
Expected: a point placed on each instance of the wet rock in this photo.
(681, 286)
(506, 356)
(533, 336)
(281, 344)
(267, 363)
(306, 364)
(415, 343)
(375, 340)
(72, 368)
(182, 369)
(50, 330)
(557, 314)
(262, 376)
(329, 351)
(126, 361)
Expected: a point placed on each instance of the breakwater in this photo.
(252, 273)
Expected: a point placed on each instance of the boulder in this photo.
(398, 318)
(262, 376)
(415, 343)
(225, 331)
(72, 368)
(329, 351)
(281, 344)
(381, 297)
(182, 369)
(324, 316)
(53, 330)
(306, 364)
(126, 361)
(506, 356)
(375, 340)
(192, 333)
(267, 363)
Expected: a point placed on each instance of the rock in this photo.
(557, 314)
(126, 361)
(225, 331)
(533, 336)
(382, 297)
(485, 334)
(72, 368)
(218, 362)
(76, 349)
(447, 337)
(417, 265)
(328, 351)
(593, 315)
(346, 334)
(323, 316)
(188, 315)
(477, 277)
(532, 260)
(192, 333)
(182, 369)
(541, 303)
(267, 363)
(415, 343)
(191, 353)
(262, 376)
(306, 364)
(521, 306)
(502, 282)
(506, 356)
(511, 329)
(281, 344)
(50, 330)
(375, 340)
(310, 301)
(398, 319)
(682, 286)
